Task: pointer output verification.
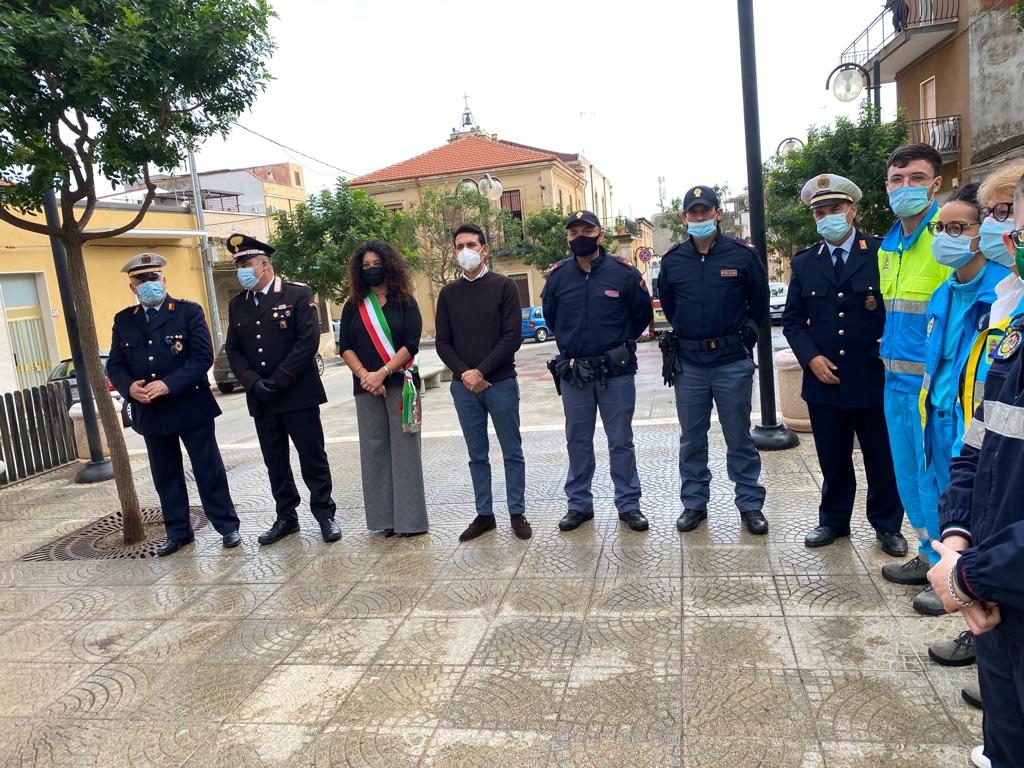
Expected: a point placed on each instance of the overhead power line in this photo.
(296, 151)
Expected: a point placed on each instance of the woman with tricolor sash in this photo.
(379, 338)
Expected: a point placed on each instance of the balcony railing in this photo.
(898, 17)
(943, 133)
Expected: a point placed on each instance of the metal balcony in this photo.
(943, 133)
(901, 34)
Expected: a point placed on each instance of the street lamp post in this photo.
(770, 434)
(850, 81)
(491, 188)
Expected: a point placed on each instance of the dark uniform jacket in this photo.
(714, 296)
(841, 321)
(174, 347)
(592, 312)
(278, 340)
(984, 500)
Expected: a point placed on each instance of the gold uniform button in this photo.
(842, 353)
(842, 314)
(842, 332)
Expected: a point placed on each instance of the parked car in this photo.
(65, 371)
(534, 326)
(225, 378)
(777, 300)
(336, 329)
(660, 323)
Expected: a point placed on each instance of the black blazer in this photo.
(174, 347)
(277, 340)
(842, 321)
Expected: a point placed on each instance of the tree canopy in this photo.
(315, 241)
(545, 238)
(857, 150)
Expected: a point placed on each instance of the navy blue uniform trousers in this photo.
(211, 479)
(833, 430)
(1001, 674)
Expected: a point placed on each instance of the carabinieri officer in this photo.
(273, 335)
(833, 320)
(714, 291)
(160, 353)
(597, 306)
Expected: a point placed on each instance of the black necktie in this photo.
(838, 254)
(150, 311)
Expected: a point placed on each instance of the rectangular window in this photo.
(512, 201)
(298, 179)
(928, 99)
(394, 207)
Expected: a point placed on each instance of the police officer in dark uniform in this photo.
(273, 336)
(833, 320)
(597, 306)
(714, 291)
(160, 354)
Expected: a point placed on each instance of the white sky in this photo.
(363, 84)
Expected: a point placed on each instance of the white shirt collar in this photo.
(483, 272)
(846, 246)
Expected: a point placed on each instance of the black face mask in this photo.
(583, 245)
(374, 276)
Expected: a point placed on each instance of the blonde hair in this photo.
(998, 187)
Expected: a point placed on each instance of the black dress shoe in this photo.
(573, 519)
(330, 530)
(893, 544)
(635, 519)
(232, 540)
(279, 530)
(690, 519)
(173, 545)
(481, 524)
(755, 522)
(822, 536)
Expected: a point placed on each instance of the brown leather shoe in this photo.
(481, 524)
(521, 526)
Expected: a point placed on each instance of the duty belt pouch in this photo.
(620, 360)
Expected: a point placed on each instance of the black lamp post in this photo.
(850, 81)
(770, 434)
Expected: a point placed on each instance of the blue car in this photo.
(534, 326)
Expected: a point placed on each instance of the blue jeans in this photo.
(915, 483)
(616, 402)
(501, 402)
(729, 388)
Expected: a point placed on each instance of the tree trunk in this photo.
(109, 417)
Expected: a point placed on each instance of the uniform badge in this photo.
(698, 192)
(235, 240)
(579, 214)
(1009, 345)
(611, 293)
(282, 323)
(177, 346)
(871, 303)
(823, 181)
(730, 273)
(885, 266)
(931, 325)
(863, 245)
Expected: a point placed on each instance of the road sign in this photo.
(644, 254)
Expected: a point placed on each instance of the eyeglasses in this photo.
(999, 211)
(914, 179)
(1015, 237)
(953, 229)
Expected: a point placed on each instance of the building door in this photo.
(522, 281)
(928, 99)
(32, 360)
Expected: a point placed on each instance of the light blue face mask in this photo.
(834, 227)
(247, 277)
(951, 251)
(992, 241)
(151, 292)
(908, 201)
(701, 229)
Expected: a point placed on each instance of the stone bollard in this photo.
(81, 439)
(791, 405)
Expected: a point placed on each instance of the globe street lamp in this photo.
(490, 188)
(850, 81)
(788, 145)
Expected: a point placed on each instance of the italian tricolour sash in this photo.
(380, 334)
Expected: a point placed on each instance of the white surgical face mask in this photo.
(468, 259)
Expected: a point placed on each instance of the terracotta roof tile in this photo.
(469, 153)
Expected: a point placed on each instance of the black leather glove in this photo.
(265, 391)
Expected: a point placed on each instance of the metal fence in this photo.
(36, 433)
(899, 16)
(943, 133)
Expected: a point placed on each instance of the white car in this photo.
(777, 300)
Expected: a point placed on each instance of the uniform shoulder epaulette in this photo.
(816, 248)
(556, 265)
(296, 282)
(622, 260)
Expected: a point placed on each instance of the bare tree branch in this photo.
(136, 220)
(29, 226)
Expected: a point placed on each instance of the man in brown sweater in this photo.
(479, 329)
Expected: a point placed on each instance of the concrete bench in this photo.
(431, 376)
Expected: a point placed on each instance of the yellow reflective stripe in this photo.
(1004, 419)
(904, 366)
(975, 433)
(922, 399)
(969, 397)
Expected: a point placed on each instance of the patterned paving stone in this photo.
(199, 693)
(301, 601)
(898, 755)
(827, 595)
(501, 699)
(794, 558)
(737, 642)
(756, 753)
(226, 601)
(414, 696)
(847, 642)
(726, 560)
(29, 640)
(607, 703)
(257, 745)
(344, 642)
(626, 642)
(152, 602)
(529, 642)
(113, 692)
(178, 641)
(547, 597)
(468, 596)
(343, 745)
(254, 641)
(299, 694)
(637, 597)
(730, 596)
(435, 640)
(948, 682)
(745, 703)
(26, 689)
(470, 748)
(379, 599)
(572, 752)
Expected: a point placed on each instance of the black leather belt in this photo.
(709, 345)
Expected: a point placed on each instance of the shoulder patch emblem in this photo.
(1009, 345)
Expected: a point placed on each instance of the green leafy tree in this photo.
(111, 87)
(545, 238)
(315, 241)
(674, 218)
(438, 216)
(1017, 14)
(857, 150)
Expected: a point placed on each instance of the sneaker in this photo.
(929, 603)
(521, 526)
(481, 524)
(978, 757)
(911, 572)
(971, 693)
(957, 652)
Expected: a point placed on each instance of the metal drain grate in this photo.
(101, 540)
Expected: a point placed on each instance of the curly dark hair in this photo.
(395, 272)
